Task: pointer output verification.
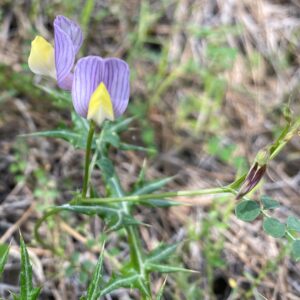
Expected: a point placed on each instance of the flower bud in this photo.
(255, 174)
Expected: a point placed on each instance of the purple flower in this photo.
(100, 87)
(67, 42)
(94, 75)
(57, 62)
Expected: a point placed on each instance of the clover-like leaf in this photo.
(293, 223)
(273, 227)
(247, 210)
(269, 203)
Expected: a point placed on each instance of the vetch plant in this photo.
(100, 95)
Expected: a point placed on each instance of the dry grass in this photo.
(264, 75)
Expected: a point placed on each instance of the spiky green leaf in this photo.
(152, 267)
(4, 250)
(34, 294)
(94, 286)
(152, 186)
(161, 252)
(26, 272)
(121, 281)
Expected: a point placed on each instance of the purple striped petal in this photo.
(67, 41)
(90, 72)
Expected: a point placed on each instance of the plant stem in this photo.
(138, 198)
(134, 240)
(87, 159)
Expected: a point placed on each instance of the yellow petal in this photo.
(41, 57)
(100, 106)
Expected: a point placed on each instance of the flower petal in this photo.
(41, 57)
(67, 41)
(116, 78)
(87, 76)
(90, 72)
(100, 106)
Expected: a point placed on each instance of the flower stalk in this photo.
(87, 159)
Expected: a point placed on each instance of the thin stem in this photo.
(138, 198)
(87, 159)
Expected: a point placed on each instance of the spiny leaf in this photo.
(152, 186)
(35, 293)
(247, 210)
(111, 138)
(274, 227)
(161, 252)
(115, 283)
(166, 268)
(106, 167)
(130, 147)
(269, 203)
(4, 250)
(120, 220)
(293, 223)
(26, 272)
(94, 287)
(143, 287)
(121, 124)
(76, 139)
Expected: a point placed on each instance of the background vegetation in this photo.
(209, 80)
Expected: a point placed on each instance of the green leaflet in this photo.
(273, 227)
(293, 223)
(269, 203)
(247, 210)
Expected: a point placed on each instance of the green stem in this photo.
(134, 241)
(138, 198)
(87, 159)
